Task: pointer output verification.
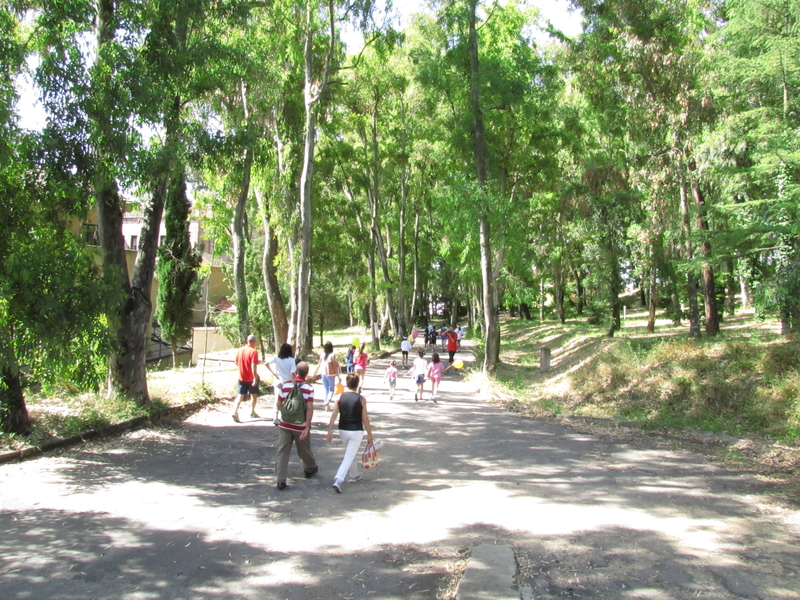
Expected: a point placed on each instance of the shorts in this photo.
(392, 383)
(420, 379)
(247, 387)
(405, 353)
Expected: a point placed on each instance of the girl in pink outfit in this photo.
(361, 360)
(435, 370)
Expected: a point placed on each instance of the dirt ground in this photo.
(190, 510)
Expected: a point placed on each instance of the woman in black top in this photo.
(351, 408)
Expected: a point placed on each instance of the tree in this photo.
(51, 296)
(177, 270)
(754, 151)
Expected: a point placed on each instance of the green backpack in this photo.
(293, 409)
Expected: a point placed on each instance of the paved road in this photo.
(191, 511)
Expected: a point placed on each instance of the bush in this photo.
(597, 312)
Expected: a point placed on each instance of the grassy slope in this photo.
(743, 382)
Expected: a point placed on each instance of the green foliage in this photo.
(229, 327)
(597, 312)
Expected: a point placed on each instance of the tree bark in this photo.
(373, 297)
(730, 285)
(374, 199)
(239, 239)
(580, 291)
(130, 324)
(709, 284)
(558, 286)
(277, 308)
(12, 399)
(688, 252)
(314, 87)
(492, 329)
(652, 297)
(416, 293)
(402, 313)
(615, 287)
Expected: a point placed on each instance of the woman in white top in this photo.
(330, 372)
(282, 367)
(418, 371)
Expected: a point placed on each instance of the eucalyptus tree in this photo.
(320, 22)
(497, 96)
(141, 71)
(51, 292)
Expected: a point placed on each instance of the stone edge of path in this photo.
(113, 429)
(490, 574)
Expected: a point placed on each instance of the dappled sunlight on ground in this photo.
(193, 512)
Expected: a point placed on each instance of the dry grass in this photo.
(745, 382)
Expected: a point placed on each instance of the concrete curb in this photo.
(489, 574)
(113, 429)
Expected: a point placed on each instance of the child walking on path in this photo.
(351, 408)
(435, 370)
(391, 377)
(405, 348)
(418, 370)
(361, 360)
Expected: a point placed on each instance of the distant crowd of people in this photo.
(294, 395)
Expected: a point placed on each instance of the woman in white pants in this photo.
(351, 408)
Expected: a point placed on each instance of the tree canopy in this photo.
(466, 165)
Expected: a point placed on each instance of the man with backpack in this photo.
(296, 406)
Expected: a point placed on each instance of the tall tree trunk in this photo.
(615, 288)
(239, 239)
(580, 292)
(129, 325)
(492, 328)
(12, 399)
(652, 298)
(558, 287)
(688, 252)
(314, 87)
(730, 287)
(709, 284)
(373, 298)
(277, 308)
(402, 308)
(301, 341)
(374, 201)
(416, 293)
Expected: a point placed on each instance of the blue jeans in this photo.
(329, 382)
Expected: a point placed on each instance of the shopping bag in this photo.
(369, 458)
(338, 389)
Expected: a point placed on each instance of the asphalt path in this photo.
(191, 511)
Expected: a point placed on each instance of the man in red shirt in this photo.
(299, 433)
(247, 361)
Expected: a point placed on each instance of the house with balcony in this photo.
(215, 290)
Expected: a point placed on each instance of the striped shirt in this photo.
(308, 394)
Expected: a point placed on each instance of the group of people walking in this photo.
(293, 388)
(294, 398)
